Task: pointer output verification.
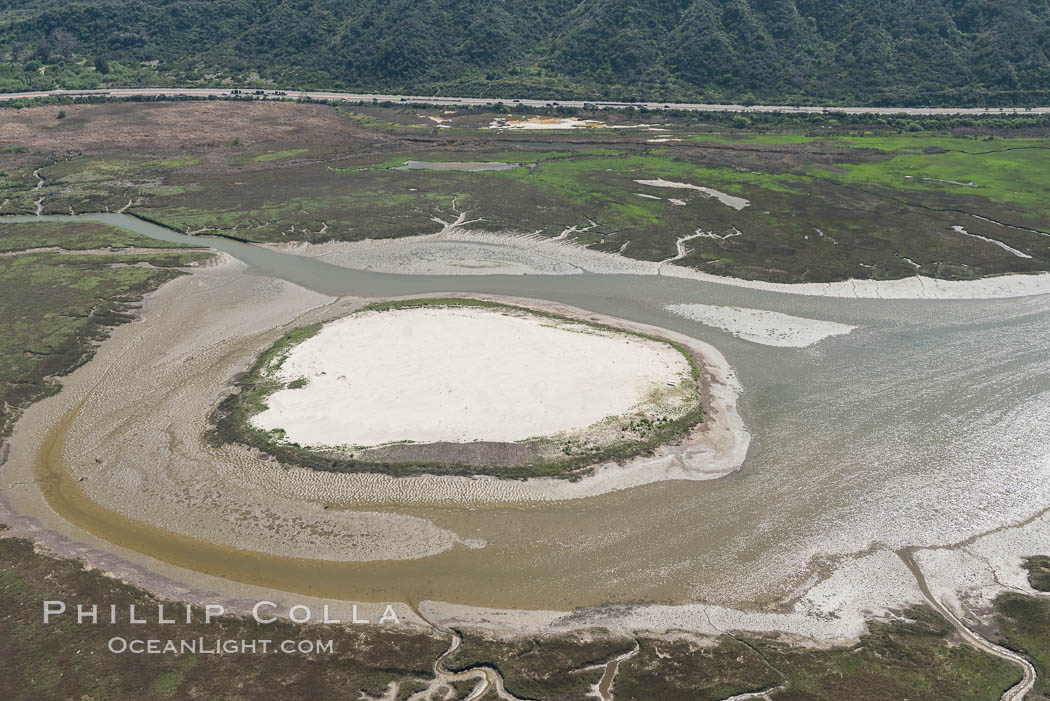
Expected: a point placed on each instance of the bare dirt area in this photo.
(778, 158)
(172, 126)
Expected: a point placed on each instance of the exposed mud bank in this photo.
(122, 441)
(117, 459)
(135, 417)
(459, 251)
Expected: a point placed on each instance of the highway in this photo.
(438, 101)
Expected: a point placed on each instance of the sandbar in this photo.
(761, 326)
(464, 374)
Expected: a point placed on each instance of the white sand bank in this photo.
(918, 287)
(463, 374)
(541, 123)
(725, 198)
(465, 252)
(761, 326)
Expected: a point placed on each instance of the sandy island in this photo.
(429, 374)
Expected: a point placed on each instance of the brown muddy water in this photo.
(926, 426)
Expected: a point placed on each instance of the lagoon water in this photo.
(927, 425)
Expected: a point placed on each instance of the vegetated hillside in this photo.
(849, 51)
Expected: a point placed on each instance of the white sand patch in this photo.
(725, 198)
(1000, 244)
(463, 374)
(533, 123)
(648, 197)
(918, 287)
(441, 121)
(464, 252)
(661, 141)
(761, 326)
(677, 202)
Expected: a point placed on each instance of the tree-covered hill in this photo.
(903, 52)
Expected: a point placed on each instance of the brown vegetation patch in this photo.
(476, 454)
(169, 126)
